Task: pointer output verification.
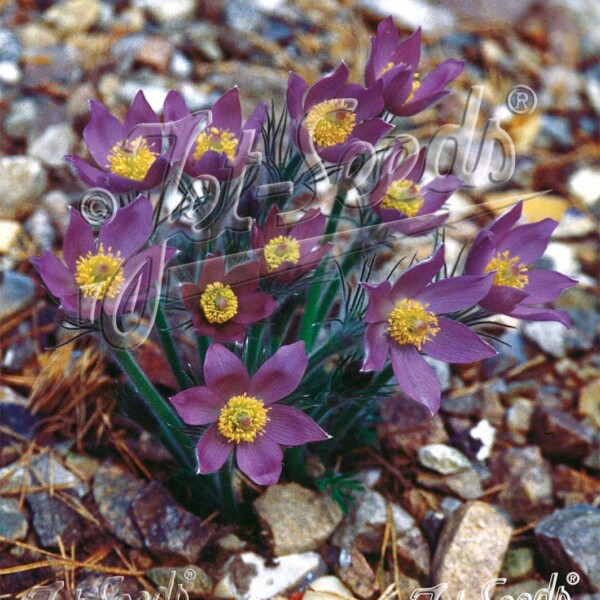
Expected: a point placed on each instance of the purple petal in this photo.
(291, 427)
(502, 299)
(414, 280)
(327, 87)
(397, 90)
(310, 226)
(376, 347)
(528, 242)
(198, 405)
(418, 104)
(213, 451)
(78, 240)
(294, 96)
(260, 460)
(257, 119)
(415, 377)
(243, 278)
(139, 113)
(254, 307)
(227, 332)
(480, 254)
(174, 107)
(409, 50)
(213, 269)
(102, 132)
(55, 275)
(456, 343)
(456, 293)
(224, 372)
(531, 313)
(546, 286)
(129, 229)
(380, 301)
(227, 112)
(503, 224)
(87, 173)
(369, 99)
(440, 77)
(280, 375)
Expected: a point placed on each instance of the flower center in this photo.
(281, 249)
(219, 303)
(509, 271)
(242, 419)
(330, 123)
(410, 323)
(416, 84)
(218, 140)
(131, 158)
(404, 196)
(101, 274)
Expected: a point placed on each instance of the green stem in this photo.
(314, 312)
(170, 424)
(168, 345)
(224, 484)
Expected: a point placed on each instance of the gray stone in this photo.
(53, 144)
(48, 471)
(10, 47)
(518, 419)
(442, 371)
(465, 485)
(529, 586)
(414, 13)
(296, 519)
(73, 16)
(327, 588)
(10, 74)
(414, 555)
(193, 580)
(443, 459)
(13, 524)
(204, 36)
(249, 576)
(168, 530)
(39, 227)
(559, 435)
(22, 183)
(549, 336)
(365, 525)
(585, 184)
(167, 12)
(471, 549)
(465, 406)
(53, 518)
(568, 540)
(114, 490)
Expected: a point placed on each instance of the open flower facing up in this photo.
(128, 155)
(223, 304)
(396, 63)
(220, 150)
(332, 115)
(243, 414)
(290, 251)
(508, 251)
(404, 204)
(404, 321)
(109, 272)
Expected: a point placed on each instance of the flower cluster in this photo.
(263, 300)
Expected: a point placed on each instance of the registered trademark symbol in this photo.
(521, 100)
(189, 575)
(572, 578)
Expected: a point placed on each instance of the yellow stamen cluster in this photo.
(131, 158)
(404, 196)
(218, 140)
(219, 303)
(416, 84)
(242, 419)
(387, 67)
(101, 274)
(281, 249)
(410, 323)
(330, 122)
(509, 271)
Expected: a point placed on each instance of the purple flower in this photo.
(222, 148)
(223, 304)
(396, 64)
(332, 116)
(507, 251)
(110, 272)
(128, 155)
(402, 203)
(289, 251)
(403, 321)
(242, 413)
